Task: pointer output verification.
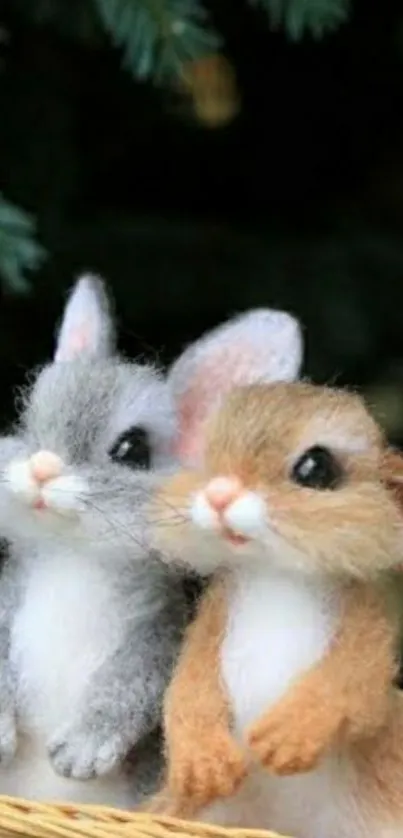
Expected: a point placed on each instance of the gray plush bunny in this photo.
(90, 621)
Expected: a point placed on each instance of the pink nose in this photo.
(221, 491)
(45, 466)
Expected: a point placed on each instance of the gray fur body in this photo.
(90, 620)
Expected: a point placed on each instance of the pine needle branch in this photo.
(297, 17)
(19, 250)
(158, 37)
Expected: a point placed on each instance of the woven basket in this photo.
(42, 820)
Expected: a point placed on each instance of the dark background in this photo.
(298, 203)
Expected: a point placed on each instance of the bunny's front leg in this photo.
(204, 762)
(339, 698)
(122, 703)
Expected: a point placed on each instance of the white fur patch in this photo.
(279, 624)
(66, 626)
(246, 515)
(202, 513)
(66, 494)
(19, 477)
(64, 629)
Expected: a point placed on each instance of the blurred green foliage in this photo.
(316, 17)
(19, 251)
(157, 39)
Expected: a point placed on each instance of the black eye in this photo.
(317, 469)
(132, 448)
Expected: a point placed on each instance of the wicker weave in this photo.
(42, 820)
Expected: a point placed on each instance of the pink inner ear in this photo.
(192, 412)
(188, 450)
(228, 368)
(79, 340)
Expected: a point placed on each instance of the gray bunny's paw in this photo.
(83, 755)
(8, 737)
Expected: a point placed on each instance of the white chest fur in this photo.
(63, 630)
(279, 624)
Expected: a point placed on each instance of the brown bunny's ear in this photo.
(261, 345)
(392, 472)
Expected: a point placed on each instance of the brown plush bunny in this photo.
(282, 713)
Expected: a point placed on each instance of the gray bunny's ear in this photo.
(87, 326)
(261, 345)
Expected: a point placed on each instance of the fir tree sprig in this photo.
(19, 250)
(300, 17)
(158, 37)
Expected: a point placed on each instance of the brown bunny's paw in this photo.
(212, 769)
(164, 804)
(293, 737)
(167, 806)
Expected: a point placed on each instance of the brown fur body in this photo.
(344, 706)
